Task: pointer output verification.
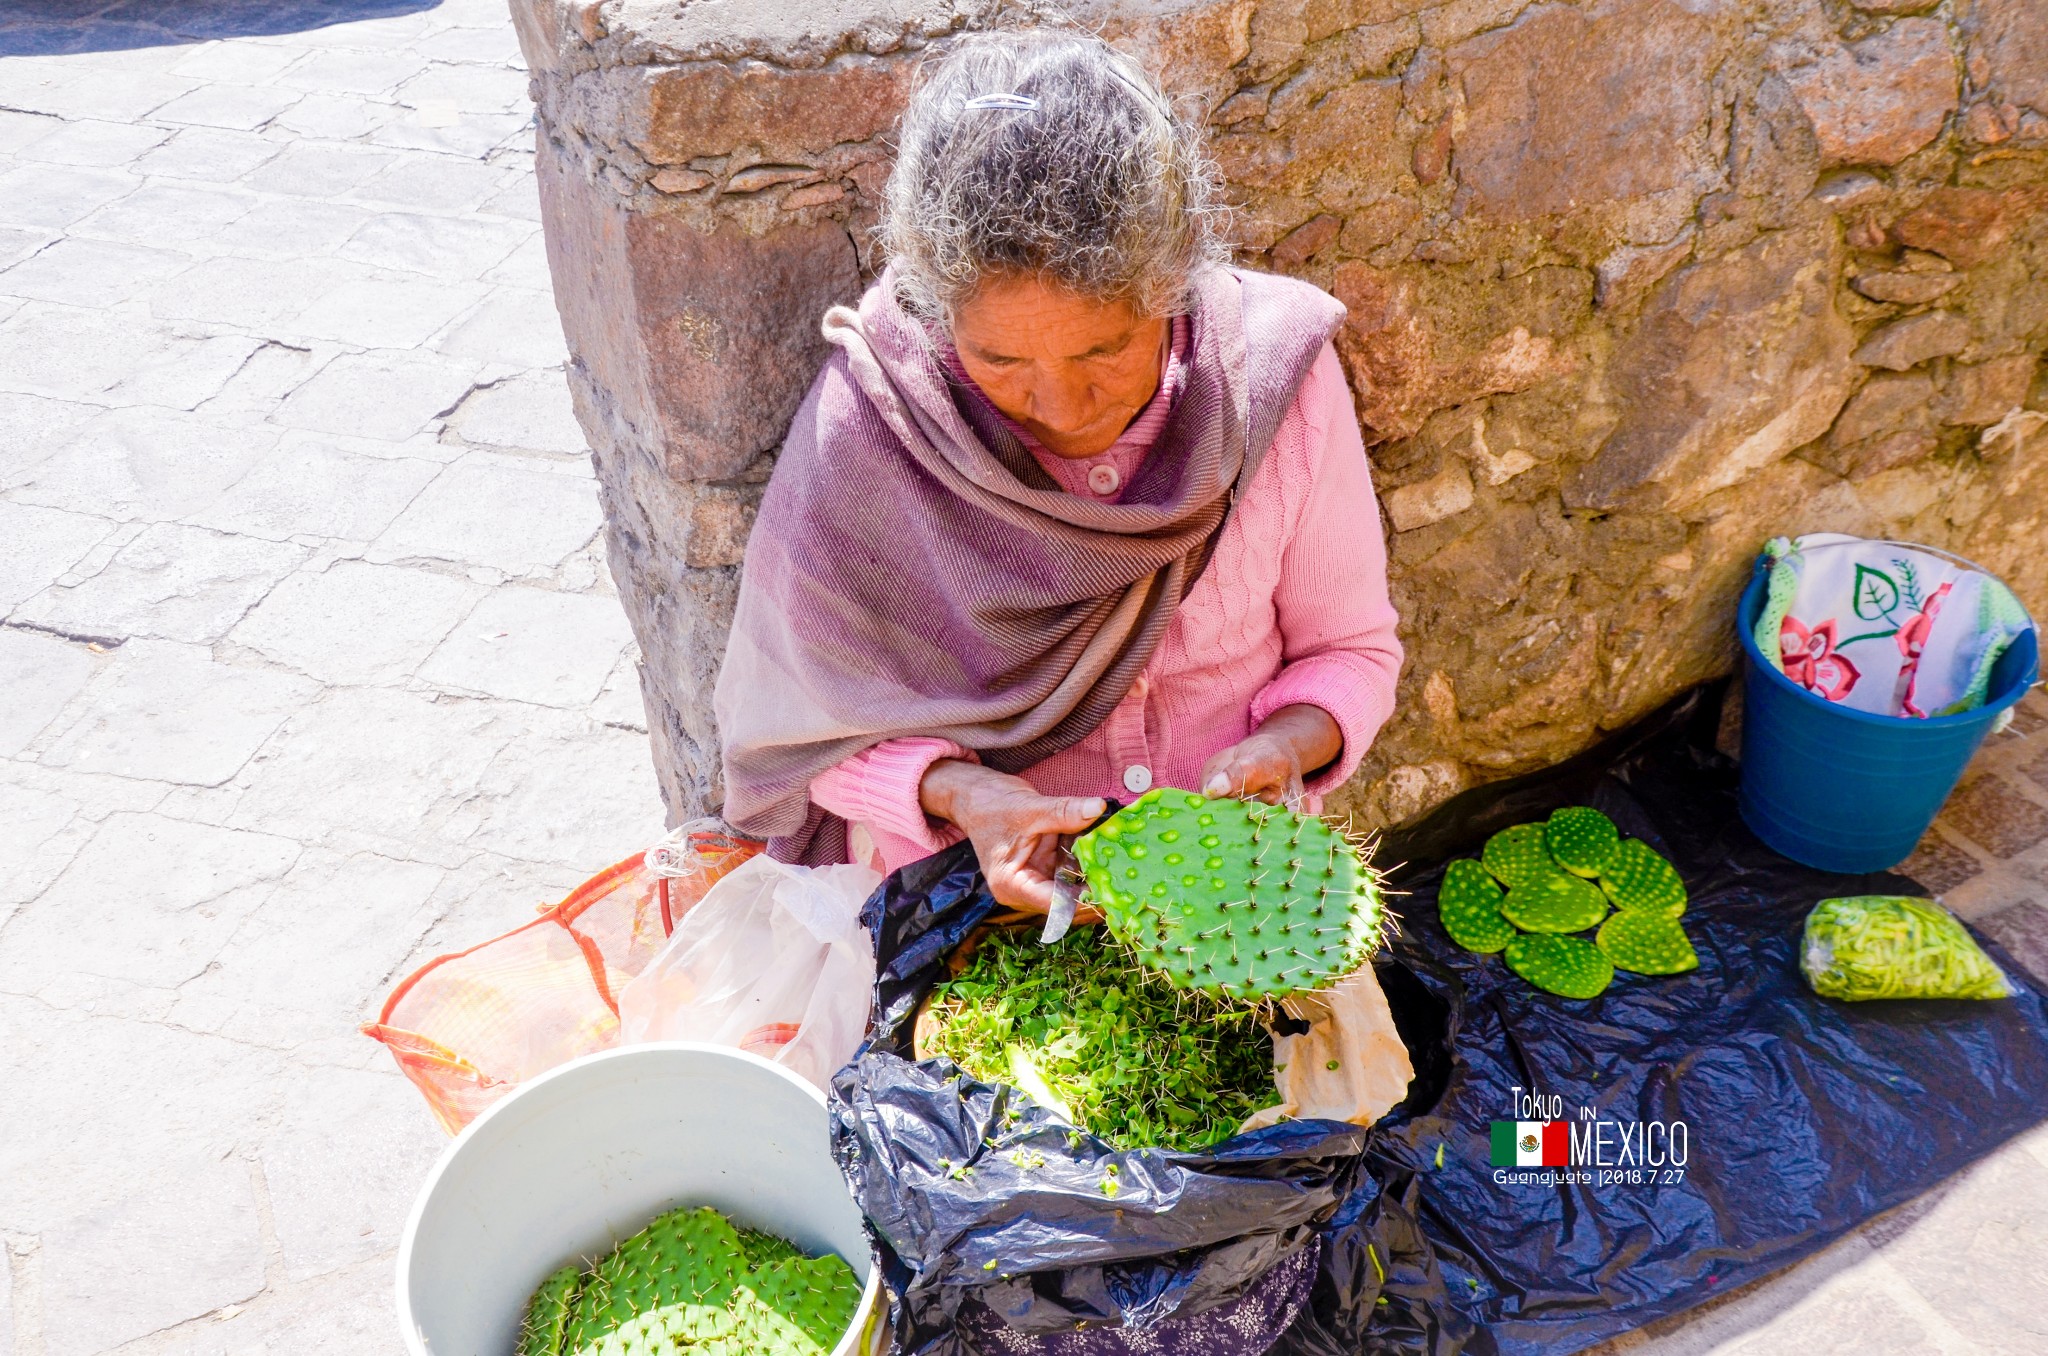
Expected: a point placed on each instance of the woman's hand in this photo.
(1016, 832)
(1272, 763)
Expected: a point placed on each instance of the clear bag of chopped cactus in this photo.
(1893, 946)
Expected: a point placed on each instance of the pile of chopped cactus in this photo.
(692, 1283)
(1102, 1043)
(1536, 883)
(1233, 899)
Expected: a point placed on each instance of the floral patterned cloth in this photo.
(1882, 626)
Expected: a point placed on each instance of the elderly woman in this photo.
(1076, 509)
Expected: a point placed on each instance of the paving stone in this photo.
(337, 767)
(168, 712)
(356, 622)
(42, 543)
(45, 195)
(169, 213)
(336, 117)
(347, 1313)
(173, 582)
(437, 182)
(527, 267)
(1860, 1312)
(39, 835)
(531, 645)
(186, 1245)
(359, 913)
(444, 247)
(18, 129)
(90, 142)
(150, 900)
(380, 395)
(6, 1307)
(494, 46)
(444, 128)
(344, 1166)
(273, 372)
(40, 675)
(1975, 1257)
(319, 491)
(292, 229)
(1939, 865)
(467, 88)
(1993, 815)
(530, 411)
(209, 154)
(147, 464)
(250, 294)
(620, 705)
(82, 93)
(242, 107)
(352, 72)
(520, 199)
(569, 793)
(2037, 769)
(320, 169)
(91, 272)
(188, 374)
(235, 63)
(483, 511)
(19, 242)
(2022, 929)
(514, 325)
(383, 310)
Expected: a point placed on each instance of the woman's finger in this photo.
(1067, 814)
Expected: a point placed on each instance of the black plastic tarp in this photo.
(1802, 1118)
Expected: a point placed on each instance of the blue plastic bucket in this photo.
(1847, 790)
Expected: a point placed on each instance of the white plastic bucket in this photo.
(584, 1155)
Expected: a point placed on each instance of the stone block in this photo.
(465, 88)
(208, 154)
(1906, 289)
(1984, 393)
(170, 214)
(241, 107)
(383, 310)
(529, 412)
(169, 713)
(2007, 50)
(40, 675)
(1878, 100)
(1989, 812)
(486, 511)
(172, 582)
(434, 182)
(568, 792)
(355, 622)
(1967, 226)
(315, 169)
(379, 395)
(42, 543)
(2022, 929)
(709, 337)
(783, 115)
(246, 293)
(293, 229)
(1939, 865)
(1572, 107)
(145, 464)
(530, 645)
(1693, 423)
(516, 325)
(1970, 1253)
(1443, 495)
(40, 195)
(314, 490)
(1912, 341)
(90, 142)
(184, 1246)
(91, 272)
(340, 71)
(337, 117)
(442, 247)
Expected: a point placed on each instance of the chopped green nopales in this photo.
(1112, 1047)
(1469, 903)
(1892, 946)
(1647, 943)
(1231, 898)
(1517, 856)
(1565, 966)
(1637, 878)
(690, 1282)
(1581, 839)
(1557, 903)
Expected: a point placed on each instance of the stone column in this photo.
(1633, 284)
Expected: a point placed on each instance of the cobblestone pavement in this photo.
(311, 663)
(312, 670)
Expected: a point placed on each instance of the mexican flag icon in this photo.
(1532, 1144)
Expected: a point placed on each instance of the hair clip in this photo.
(1022, 103)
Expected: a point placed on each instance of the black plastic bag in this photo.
(991, 1215)
(1805, 1116)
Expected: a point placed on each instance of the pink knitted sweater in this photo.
(1292, 608)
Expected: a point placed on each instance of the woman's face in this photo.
(1073, 370)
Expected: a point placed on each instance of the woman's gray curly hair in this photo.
(1100, 187)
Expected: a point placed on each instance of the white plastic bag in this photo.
(773, 960)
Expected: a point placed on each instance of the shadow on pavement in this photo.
(61, 27)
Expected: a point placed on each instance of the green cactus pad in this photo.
(1554, 903)
(1565, 966)
(1636, 878)
(795, 1307)
(1517, 856)
(1581, 839)
(547, 1318)
(1232, 898)
(1469, 903)
(1647, 943)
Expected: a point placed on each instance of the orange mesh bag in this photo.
(469, 1027)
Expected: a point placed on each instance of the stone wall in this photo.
(1633, 284)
